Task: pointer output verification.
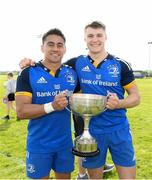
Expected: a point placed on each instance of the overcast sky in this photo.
(129, 28)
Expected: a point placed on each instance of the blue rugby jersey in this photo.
(113, 75)
(51, 132)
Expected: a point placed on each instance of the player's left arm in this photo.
(131, 100)
(133, 97)
(128, 82)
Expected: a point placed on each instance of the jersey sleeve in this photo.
(23, 86)
(127, 76)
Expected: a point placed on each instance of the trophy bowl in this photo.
(86, 105)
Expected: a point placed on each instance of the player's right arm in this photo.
(23, 97)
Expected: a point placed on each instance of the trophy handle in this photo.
(107, 97)
(68, 94)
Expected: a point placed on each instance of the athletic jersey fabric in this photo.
(51, 132)
(111, 75)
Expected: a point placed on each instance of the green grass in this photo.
(13, 138)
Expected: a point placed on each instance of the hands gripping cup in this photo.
(87, 106)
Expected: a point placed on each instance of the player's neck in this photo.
(54, 66)
(98, 57)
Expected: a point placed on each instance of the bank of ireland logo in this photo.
(30, 168)
(113, 70)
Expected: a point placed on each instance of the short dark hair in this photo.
(10, 74)
(54, 31)
(96, 25)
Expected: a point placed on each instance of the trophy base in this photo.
(85, 154)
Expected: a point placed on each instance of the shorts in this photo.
(11, 97)
(119, 144)
(40, 165)
(78, 125)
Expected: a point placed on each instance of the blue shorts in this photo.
(119, 144)
(40, 165)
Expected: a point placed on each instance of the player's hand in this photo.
(60, 101)
(26, 62)
(113, 101)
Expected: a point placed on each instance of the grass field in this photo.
(13, 138)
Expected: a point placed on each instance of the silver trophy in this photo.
(86, 105)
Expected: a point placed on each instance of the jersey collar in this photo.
(49, 70)
(109, 56)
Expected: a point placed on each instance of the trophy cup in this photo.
(86, 105)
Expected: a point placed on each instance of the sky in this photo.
(128, 23)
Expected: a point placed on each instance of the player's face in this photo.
(95, 39)
(53, 48)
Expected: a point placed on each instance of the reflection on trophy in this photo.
(86, 105)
